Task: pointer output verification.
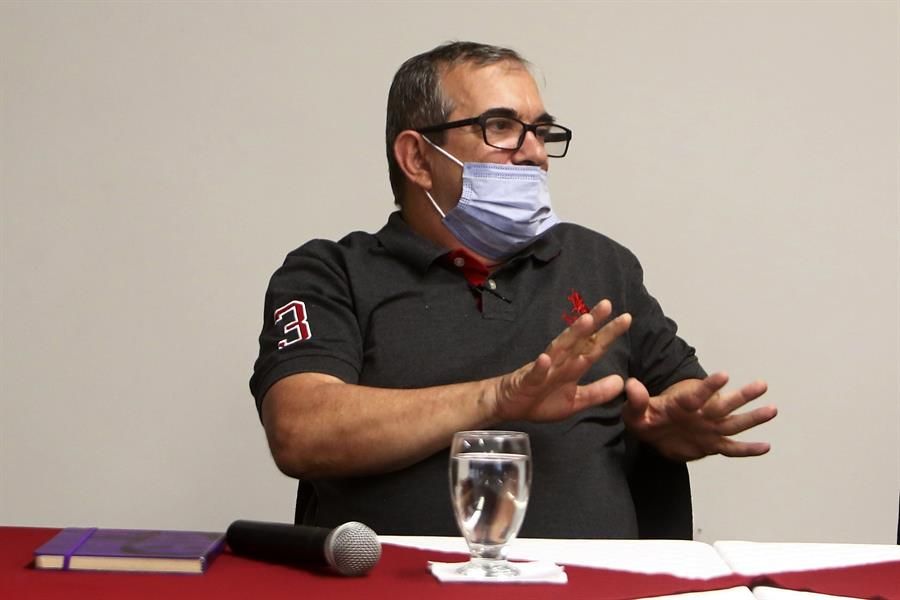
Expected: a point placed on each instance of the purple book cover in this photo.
(133, 544)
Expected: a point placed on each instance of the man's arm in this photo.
(695, 417)
(318, 426)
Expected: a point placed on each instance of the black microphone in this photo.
(350, 549)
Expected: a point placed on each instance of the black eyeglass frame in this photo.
(526, 127)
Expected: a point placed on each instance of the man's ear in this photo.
(409, 152)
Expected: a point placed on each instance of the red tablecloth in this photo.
(401, 573)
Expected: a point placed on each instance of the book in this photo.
(857, 570)
(760, 558)
(155, 551)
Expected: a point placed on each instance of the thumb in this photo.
(637, 399)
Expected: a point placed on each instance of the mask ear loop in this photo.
(434, 204)
(451, 157)
(444, 152)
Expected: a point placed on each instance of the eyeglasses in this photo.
(508, 133)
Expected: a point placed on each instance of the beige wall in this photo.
(159, 159)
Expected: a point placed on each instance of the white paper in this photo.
(759, 558)
(681, 558)
(735, 593)
(770, 593)
(529, 572)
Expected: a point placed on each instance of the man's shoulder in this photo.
(354, 243)
(358, 243)
(586, 240)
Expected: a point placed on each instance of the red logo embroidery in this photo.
(292, 319)
(578, 308)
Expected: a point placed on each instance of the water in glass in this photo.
(490, 477)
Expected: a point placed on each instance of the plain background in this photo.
(159, 159)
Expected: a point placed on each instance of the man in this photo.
(377, 348)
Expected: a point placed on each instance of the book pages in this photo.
(681, 558)
(758, 558)
(771, 593)
(735, 593)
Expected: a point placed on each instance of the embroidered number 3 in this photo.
(292, 319)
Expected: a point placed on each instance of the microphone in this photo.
(350, 549)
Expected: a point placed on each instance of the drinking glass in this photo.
(490, 478)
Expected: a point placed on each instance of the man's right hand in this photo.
(547, 389)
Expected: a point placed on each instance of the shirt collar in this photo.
(404, 243)
(401, 241)
(545, 248)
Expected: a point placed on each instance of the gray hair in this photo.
(417, 100)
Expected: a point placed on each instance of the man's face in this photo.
(507, 88)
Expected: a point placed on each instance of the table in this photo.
(402, 573)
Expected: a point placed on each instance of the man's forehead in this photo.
(507, 84)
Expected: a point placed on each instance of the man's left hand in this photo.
(695, 418)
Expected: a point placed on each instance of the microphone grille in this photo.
(352, 549)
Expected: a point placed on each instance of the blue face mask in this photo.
(502, 208)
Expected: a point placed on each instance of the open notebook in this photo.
(682, 558)
(774, 571)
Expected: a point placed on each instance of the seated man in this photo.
(474, 308)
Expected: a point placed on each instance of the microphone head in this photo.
(352, 549)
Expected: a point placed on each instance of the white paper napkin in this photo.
(529, 572)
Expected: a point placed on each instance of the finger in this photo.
(583, 327)
(538, 372)
(601, 311)
(739, 423)
(571, 336)
(743, 449)
(698, 395)
(599, 392)
(725, 404)
(637, 400)
(597, 344)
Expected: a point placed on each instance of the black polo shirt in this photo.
(392, 310)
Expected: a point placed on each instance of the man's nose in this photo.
(532, 152)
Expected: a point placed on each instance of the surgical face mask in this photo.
(502, 208)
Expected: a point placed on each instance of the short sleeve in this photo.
(309, 323)
(659, 357)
